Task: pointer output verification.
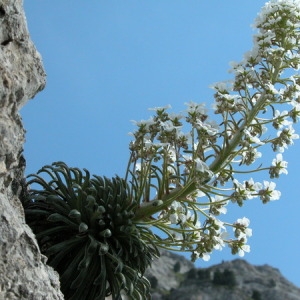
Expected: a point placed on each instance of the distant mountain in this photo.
(173, 277)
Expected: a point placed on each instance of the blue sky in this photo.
(107, 62)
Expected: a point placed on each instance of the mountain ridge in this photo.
(173, 277)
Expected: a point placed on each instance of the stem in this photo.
(148, 209)
(222, 158)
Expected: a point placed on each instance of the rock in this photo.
(24, 274)
(239, 281)
(167, 272)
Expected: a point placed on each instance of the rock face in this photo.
(24, 274)
(175, 278)
(166, 273)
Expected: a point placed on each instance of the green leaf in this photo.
(56, 217)
(29, 212)
(52, 230)
(89, 253)
(105, 233)
(62, 245)
(83, 227)
(103, 249)
(74, 214)
(62, 257)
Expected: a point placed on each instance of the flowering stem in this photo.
(222, 159)
(148, 209)
(178, 168)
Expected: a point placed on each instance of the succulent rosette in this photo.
(86, 229)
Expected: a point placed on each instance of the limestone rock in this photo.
(247, 282)
(24, 274)
(167, 271)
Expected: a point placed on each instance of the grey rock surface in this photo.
(24, 274)
(190, 283)
(163, 273)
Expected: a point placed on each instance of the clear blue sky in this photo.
(109, 61)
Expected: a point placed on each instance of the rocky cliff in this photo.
(175, 278)
(24, 274)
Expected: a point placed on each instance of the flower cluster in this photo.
(184, 168)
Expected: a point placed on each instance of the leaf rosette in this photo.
(85, 226)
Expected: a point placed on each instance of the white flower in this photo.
(205, 257)
(241, 229)
(138, 167)
(210, 127)
(198, 108)
(219, 223)
(173, 218)
(236, 67)
(248, 232)
(175, 117)
(182, 218)
(250, 155)
(167, 125)
(279, 164)
(253, 139)
(271, 86)
(243, 249)
(220, 204)
(241, 191)
(253, 186)
(200, 194)
(178, 214)
(280, 119)
(219, 239)
(290, 133)
(295, 104)
(177, 218)
(252, 55)
(148, 143)
(270, 187)
(176, 205)
(177, 236)
(202, 167)
(268, 192)
(220, 86)
(144, 123)
(244, 221)
(172, 153)
(281, 148)
(171, 170)
(161, 108)
(287, 136)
